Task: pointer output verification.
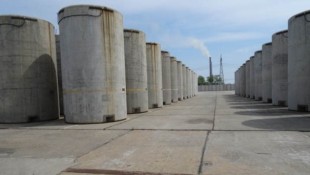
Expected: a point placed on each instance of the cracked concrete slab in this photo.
(257, 152)
(149, 151)
(47, 151)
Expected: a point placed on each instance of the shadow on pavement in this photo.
(282, 123)
(258, 106)
(272, 112)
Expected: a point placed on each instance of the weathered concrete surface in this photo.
(235, 113)
(61, 125)
(149, 151)
(258, 153)
(169, 122)
(213, 133)
(47, 151)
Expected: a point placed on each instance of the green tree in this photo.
(215, 79)
(210, 80)
(201, 80)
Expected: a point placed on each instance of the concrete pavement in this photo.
(213, 133)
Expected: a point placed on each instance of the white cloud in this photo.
(234, 36)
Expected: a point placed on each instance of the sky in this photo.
(191, 31)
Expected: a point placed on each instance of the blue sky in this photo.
(189, 30)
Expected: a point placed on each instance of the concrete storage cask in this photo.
(299, 62)
(93, 64)
(190, 83)
(61, 104)
(189, 80)
(193, 83)
(247, 78)
(166, 77)
(239, 77)
(136, 71)
(174, 79)
(239, 81)
(252, 78)
(184, 82)
(236, 81)
(154, 75)
(279, 68)
(196, 84)
(243, 81)
(258, 75)
(266, 72)
(180, 81)
(28, 71)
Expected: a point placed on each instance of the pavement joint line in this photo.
(125, 121)
(105, 143)
(137, 129)
(114, 172)
(140, 116)
(134, 129)
(261, 130)
(214, 112)
(200, 169)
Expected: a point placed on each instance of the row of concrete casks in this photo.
(102, 72)
(279, 73)
(179, 82)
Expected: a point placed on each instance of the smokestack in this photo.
(210, 64)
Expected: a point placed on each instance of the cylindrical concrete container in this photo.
(174, 79)
(189, 78)
(252, 78)
(180, 81)
(240, 80)
(184, 82)
(299, 62)
(258, 75)
(136, 71)
(243, 80)
(93, 64)
(187, 82)
(191, 82)
(193, 86)
(247, 78)
(279, 68)
(195, 83)
(154, 75)
(61, 102)
(166, 77)
(236, 82)
(28, 71)
(267, 73)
